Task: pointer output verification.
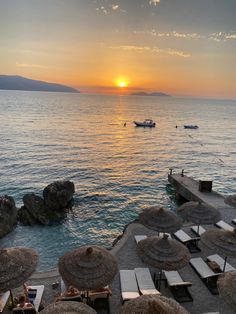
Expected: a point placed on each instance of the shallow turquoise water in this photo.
(116, 170)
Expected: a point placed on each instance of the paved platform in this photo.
(188, 188)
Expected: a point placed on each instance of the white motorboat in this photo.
(190, 126)
(146, 123)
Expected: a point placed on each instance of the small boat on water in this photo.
(146, 123)
(190, 126)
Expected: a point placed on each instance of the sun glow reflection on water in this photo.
(117, 170)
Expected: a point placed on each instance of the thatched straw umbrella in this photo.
(152, 304)
(160, 220)
(88, 267)
(199, 213)
(227, 288)
(16, 266)
(221, 241)
(231, 200)
(163, 253)
(68, 307)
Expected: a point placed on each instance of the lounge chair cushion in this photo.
(139, 238)
(191, 243)
(3, 300)
(174, 279)
(178, 287)
(182, 236)
(38, 297)
(145, 282)
(201, 267)
(205, 273)
(220, 261)
(128, 283)
(224, 225)
(198, 230)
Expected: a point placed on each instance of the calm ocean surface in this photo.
(117, 170)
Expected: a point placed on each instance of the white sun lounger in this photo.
(63, 286)
(139, 238)
(182, 236)
(198, 230)
(38, 298)
(224, 225)
(178, 286)
(3, 300)
(202, 268)
(143, 237)
(145, 282)
(220, 261)
(129, 286)
(206, 274)
(174, 279)
(191, 243)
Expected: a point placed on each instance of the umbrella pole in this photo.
(160, 279)
(224, 264)
(87, 297)
(12, 299)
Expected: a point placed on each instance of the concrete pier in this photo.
(188, 188)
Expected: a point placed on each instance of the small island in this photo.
(16, 82)
(150, 94)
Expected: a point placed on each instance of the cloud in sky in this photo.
(109, 8)
(153, 32)
(115, 7)
(141, 49)
(218, 37)
(102, 9)
(28, 65)
(222, 36)
(154, 2)
(62, 39)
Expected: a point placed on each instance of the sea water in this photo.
(117, 170)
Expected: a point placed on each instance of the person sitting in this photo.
(106, 290)
(100, 293)
(29, 293)
(71, 292)
(23, 302)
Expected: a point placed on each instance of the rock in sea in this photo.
(8, 215)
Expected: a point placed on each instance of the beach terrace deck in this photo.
(125, 250)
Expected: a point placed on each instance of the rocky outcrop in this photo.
(52, 208)
(8, 215)
(58, 194)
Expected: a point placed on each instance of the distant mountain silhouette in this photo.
(150, 94)
(15, 82)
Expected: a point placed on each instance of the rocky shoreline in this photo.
(48, 210)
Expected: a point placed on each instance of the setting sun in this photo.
(121, 82)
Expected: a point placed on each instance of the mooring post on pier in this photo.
(171, 171)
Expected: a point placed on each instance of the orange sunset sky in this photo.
(180, 47)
